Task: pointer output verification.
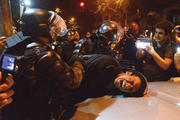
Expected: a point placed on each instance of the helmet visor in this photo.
(58, 27)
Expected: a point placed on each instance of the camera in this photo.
(142, 43)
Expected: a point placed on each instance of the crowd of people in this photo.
(58, 70)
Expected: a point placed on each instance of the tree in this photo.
(113, 10)
(72, 24)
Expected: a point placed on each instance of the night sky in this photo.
(84, 17)
(70, 8)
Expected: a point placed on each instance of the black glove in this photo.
(76, 58)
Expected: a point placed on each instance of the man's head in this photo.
(176, 33)
(109, 32)
(177, 61)
(133, 83)
(162, 31)
(42, 23)
(134, 27)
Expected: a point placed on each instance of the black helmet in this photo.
(110, 30)
(39, 22)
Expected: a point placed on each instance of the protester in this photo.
(157, 57)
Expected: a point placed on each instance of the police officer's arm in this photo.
(51, 65)
(80, 47)
(163, 63)
(6, 92)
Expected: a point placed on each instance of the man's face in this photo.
(177, 61)
(127, 82)
(160, 36)
(177, 37)
(135, 27)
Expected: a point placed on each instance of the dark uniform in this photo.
(100, 73)
(126, 49)
(42, 76)
(100, 42)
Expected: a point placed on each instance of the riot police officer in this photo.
(66, 44)
(100, 42)
(126, 47)
(42, 75)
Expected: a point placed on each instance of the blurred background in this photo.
(86, 15)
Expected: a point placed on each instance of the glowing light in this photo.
(178, 104)
(142, 45)
(178, 50)
(81, 4)
(27, 2)
(105, 27)
(72, 19)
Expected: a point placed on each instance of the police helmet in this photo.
(110, 31)
(39, 22)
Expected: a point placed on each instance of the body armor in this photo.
(41, 77)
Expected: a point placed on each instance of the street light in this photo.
(81, 4)
(72, 19)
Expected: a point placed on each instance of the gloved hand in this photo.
(76, 57)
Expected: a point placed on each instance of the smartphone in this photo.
(8, 63)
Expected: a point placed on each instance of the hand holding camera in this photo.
(145, 45)
(142, 43)
(150, 49)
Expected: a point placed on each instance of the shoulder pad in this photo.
(32, 45)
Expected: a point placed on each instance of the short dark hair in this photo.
(165, 25)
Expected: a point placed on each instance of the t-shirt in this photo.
(151, 69)
(172, 70)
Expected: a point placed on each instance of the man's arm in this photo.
(52, 65)
(175, 79)
(80, 47)
(5, 91)
(163, 63)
